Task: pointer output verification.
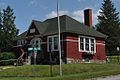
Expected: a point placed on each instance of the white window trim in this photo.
(52, 49)
(89, 44)
(32, 30)
(36, 39)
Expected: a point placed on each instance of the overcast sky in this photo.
(28, 10)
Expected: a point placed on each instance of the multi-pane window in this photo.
(56, 42)
(21, 42)
(87, 44)
(50, 43)
(81, 43)
(92, 45)
(53, 43)
(35, 42)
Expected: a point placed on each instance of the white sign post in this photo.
(118, 49)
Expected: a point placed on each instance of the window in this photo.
(87, 44)
(35, 42)
(19, 43)
(92, 45)
(50, 43)
(53, 43)
(81, 43)
(32, 30)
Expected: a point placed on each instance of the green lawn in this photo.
(70, 72)
(114, 59)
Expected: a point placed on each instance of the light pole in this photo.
(59, 42)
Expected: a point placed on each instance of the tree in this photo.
(0, 28)
(8, 29)
(6, 56)
(109, 24)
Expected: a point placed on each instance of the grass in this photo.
(70, 72)
(114, 59)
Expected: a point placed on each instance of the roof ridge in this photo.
(55, 18)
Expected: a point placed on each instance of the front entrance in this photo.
(35, 43)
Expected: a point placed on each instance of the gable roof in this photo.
(40, 26)
(21, 36)
(67, 24)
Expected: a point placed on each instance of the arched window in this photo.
(35, 42)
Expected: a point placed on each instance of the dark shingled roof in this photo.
(67, 24)
(41, 26)
(21, 36)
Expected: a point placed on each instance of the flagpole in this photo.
(59, 42)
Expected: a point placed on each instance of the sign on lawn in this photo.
(30, 49)
(34, 49)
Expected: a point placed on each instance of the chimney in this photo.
(88, 17)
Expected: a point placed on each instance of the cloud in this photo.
(33, 3)
(79, 15)
(54, 13)
(36, 3)
(80, 0)
(32, 17)
(95, 14)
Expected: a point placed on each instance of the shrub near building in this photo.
(5, 58)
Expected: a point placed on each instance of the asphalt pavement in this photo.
(115, 77)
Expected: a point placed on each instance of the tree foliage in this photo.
(109, 24)
(8, 30)
(6, 56)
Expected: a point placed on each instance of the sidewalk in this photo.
(115, 77)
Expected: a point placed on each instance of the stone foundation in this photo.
(71, 60)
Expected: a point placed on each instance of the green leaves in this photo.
(108, 23)
(8, 30)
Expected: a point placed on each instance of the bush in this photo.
(6, 56)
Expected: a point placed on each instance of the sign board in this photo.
(34, 49)
(30, 49)
(38, 48)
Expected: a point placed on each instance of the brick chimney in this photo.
(88, 17)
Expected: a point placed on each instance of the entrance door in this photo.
(36, 43)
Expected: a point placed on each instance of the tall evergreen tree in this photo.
(0, 19)
(9, 30)
(108, 23)
(0, 28)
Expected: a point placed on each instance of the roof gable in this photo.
(67, 24)
(32, 30)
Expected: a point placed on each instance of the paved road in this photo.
(117, 77)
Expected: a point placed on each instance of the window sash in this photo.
(87, 44)
(53, 44)
(81, 43)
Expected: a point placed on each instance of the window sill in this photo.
(87, 52)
